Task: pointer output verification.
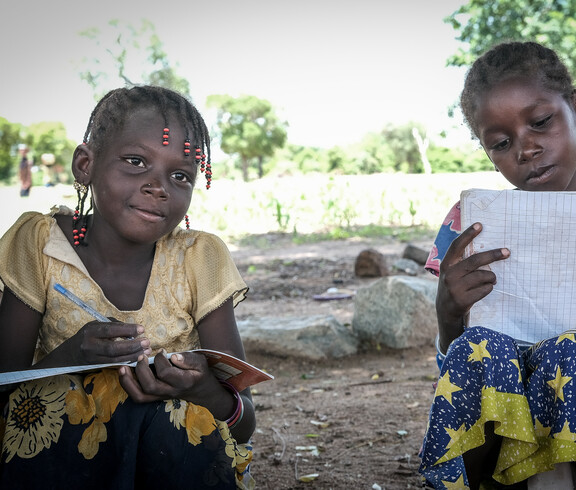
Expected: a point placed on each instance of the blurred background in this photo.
(347, 110)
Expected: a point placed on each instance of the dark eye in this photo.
(182, 177)
(136, 161)
(542, 122)
(501, 145)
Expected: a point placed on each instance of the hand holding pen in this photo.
(114, 342)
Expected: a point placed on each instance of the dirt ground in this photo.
(355, 422)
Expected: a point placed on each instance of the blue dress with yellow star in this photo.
(528, 393)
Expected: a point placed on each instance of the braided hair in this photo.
(528, 60)
(114, 108)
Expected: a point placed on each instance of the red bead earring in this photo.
(79, 220)
(187, 222)
(204, 167)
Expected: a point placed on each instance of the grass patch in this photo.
(403, 234)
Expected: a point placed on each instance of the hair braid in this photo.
(513, 60)
(113, 109)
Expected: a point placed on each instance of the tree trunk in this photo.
(260, 169)
(245, 169)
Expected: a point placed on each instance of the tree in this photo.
(50, 138)
(483, 23)
(249, 128)
(134, 56)
(9, 139)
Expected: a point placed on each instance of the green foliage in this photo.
(465, 159)
(483, 23)
(281, 215)
(249, 128)
(51, 138)
(129, 55)
(9, 140)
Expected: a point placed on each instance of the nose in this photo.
(156, 189)
(528, 149)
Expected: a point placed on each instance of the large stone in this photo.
(314, 337)
(397, 311)
(370, 263)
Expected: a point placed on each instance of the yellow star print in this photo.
(458, 484)
(479, 351)
(445, 388)
(454, 434)
(565, 434)
(565, 336)
(557, 384)
(540, 430)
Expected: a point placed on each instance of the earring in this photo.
(187, 222)
(79, 220)
(165, 136)
(204, 167)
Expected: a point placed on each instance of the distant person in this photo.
(172, 424)
(25, 172)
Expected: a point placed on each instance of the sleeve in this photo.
(212, 275)
(21, 259)
(449, 231)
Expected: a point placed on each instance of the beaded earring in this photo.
(187, 221)
(204, 167)
(79, 219)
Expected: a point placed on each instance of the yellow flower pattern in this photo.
(97, 407)
(35, 418)
(177, 410)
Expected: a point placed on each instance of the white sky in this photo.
(334, 70)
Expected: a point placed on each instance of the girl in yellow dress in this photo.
(171, 424)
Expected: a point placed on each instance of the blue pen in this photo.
(76, 300)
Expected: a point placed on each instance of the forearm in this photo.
(244, 429)
(238, 413)
(449, 328)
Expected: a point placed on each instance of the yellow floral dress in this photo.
(82, 430)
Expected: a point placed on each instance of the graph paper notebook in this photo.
(535, 294)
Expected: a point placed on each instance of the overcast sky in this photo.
(333, 69)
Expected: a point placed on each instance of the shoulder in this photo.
(29, 224)
(449, 231)
(194, 241)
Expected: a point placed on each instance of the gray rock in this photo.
(315, 337)
(407, 266)
(397, 311)
(416, 254)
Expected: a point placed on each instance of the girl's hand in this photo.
(463, 282)
(184, 376)
(97, 343)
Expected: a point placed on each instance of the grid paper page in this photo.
(534, 295)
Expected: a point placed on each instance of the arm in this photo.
(19, 326)
(463, 282)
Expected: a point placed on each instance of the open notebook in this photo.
(535, 294)
(225, 367)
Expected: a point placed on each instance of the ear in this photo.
(82, 162)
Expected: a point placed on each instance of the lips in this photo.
(149, 214)
(541, 174)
